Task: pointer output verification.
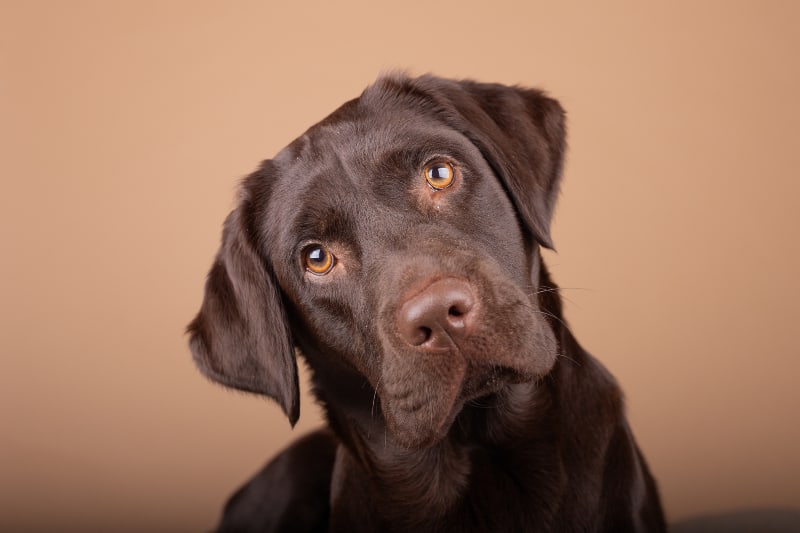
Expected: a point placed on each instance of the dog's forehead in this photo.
(359, 145)
(364, 140)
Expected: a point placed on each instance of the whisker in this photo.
(565, 356)
(556, 289)
(374, 398)
(543, 290)
(546, 313)
(480, 405)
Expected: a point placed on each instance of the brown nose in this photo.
(437, 316)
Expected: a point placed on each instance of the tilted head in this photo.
(396, 242)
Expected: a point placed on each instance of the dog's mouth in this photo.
(423, 391)
(419, 399)
(484, 381)
(420, 408)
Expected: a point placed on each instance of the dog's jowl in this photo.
(396, 247)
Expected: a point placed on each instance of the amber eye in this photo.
(439, 175)
(318, 259)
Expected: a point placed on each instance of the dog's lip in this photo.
(419, 398)
(491, 380)
(475, 386)
(478, 384)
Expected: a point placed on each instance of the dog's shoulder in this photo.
(291, 492)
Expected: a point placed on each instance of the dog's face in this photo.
(397, 240)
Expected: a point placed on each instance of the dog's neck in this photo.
(434, 478)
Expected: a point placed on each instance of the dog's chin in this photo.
(428, 420)
(419, 430)
(420, 395)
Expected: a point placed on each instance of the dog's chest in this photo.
(459, 491)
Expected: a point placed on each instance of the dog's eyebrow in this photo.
(325, 216)
(414, 156)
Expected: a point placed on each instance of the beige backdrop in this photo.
(126, 126)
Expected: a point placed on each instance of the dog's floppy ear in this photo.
(521, 133)
(241, 336)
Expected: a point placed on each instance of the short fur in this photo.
(457, 398)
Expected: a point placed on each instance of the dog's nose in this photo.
(437, 316)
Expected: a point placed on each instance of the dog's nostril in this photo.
(424, 335)
(416, 336)
(454, 311)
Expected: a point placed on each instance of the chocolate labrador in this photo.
(396, 247)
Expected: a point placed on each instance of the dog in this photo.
(396, 247)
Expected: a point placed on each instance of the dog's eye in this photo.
(318, 259)
(439, 175)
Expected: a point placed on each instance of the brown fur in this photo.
(480, 415)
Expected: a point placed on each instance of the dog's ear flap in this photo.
(241, 337)
(522, 134)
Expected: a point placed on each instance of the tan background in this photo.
(126, 125)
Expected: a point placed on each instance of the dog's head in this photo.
(396, 241)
